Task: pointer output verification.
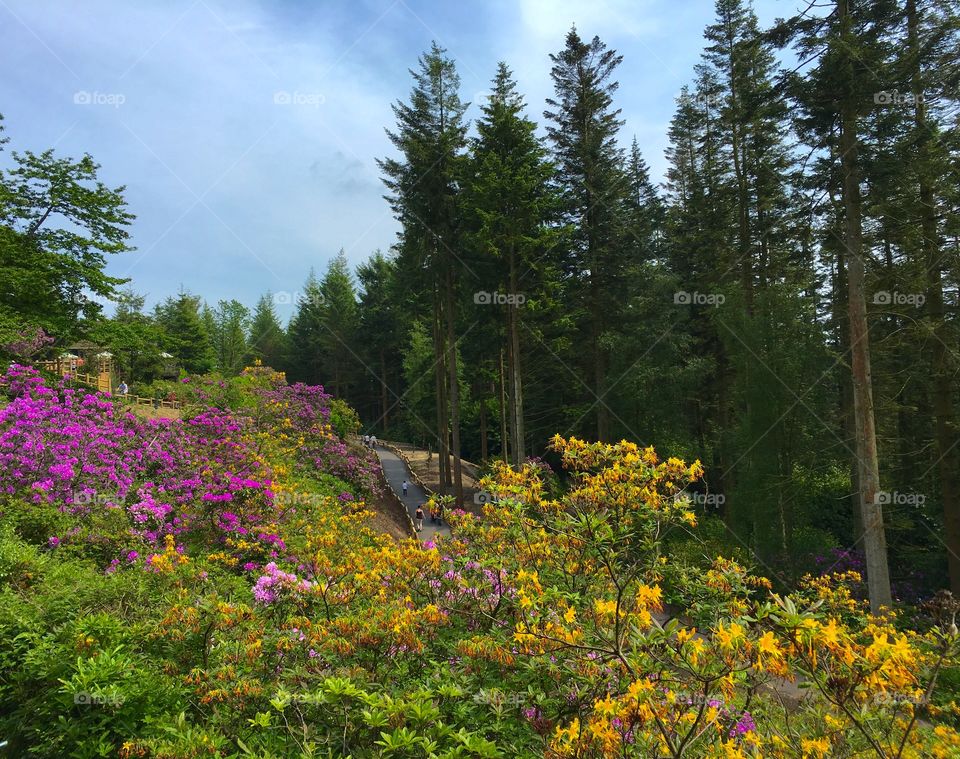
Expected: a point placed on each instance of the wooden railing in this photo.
(102, 382)
(66, 369)
(139, 400)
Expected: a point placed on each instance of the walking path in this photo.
(396, 472)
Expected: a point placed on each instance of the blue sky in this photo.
(246, 132)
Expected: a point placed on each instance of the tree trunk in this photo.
(504, 441)
(483, 429)
(516, 389)
(440, 379)
(874, 539)
(383, 391)
(948, 446)
(454, 384)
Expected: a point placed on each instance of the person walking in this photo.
(373, 441)
(438, 512)
(419, 518)
(404, 486)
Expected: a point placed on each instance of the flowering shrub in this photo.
(227, 598)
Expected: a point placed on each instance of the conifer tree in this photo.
(508, 192)
(267, 339)
(583, 126)
(423, 183)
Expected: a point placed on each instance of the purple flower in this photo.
(743, 726)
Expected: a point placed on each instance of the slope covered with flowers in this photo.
(209, 587)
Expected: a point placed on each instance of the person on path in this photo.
(373, 441)
(122, 388)
(404, 486)
(438, 513)
(419, 518)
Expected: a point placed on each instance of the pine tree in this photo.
(424, 183)
(303, 333)
(187, 337)
(267, 339)
(583, 128)
(508, 192)
(850, 57)
(338, 321)
(378, 335)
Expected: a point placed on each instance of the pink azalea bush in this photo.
(100, 475)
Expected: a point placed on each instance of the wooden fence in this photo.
(102, 382)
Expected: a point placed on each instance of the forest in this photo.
(782, 308)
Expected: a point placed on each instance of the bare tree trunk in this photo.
(516, 386)
(383, 390)
(948, 446)
(440, 378)
(845, 399)
(874, 539)
(454, 384)
(504, 440)
(484, 452)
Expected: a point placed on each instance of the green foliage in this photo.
(58, 225)
(186, 335)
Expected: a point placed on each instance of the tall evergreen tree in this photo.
(379, 329)
(186, 336)
(230, 324)
(583, 128)
(303, 333)
(338, 322)
(509, 193)
(847, 45)
(267, 340)
(423, 183)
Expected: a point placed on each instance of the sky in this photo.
(246, 132)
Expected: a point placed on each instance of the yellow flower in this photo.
(814, 748)
(729, 637)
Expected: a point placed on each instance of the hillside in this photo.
(210, 587)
